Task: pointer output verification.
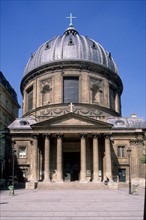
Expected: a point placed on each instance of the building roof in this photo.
(132, 122)
(127, 122)
(22, 123)
(8, 87)
(70, 46)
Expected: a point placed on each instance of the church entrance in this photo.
(71, 166)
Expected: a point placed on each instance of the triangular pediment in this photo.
(71, 120)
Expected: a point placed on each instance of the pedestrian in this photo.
(11, 189)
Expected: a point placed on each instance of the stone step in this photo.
(72, 185)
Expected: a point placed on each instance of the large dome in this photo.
(70, 46)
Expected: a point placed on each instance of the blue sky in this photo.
(119, 26)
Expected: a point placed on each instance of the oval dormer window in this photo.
(120, 123)
(24, 122)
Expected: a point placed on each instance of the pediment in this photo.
(71, 120)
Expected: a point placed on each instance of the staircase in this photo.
(76, 185)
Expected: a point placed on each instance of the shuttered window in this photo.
(121, 151)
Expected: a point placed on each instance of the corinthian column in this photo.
(108, 165)
(35, 158)
(59, 158)
(83, 158)
(95, 158)
(47, 158)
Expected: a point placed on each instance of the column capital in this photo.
(34, 135)
(59, 135)
(47, 135)
(83, 135)
(107, 135)
(96, 135)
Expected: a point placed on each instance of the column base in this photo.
(58, 181)
(113, 185)
(31, 185)
(47, 180)
(83, 178)
(96, 181)
(84, 181)
(95, 177)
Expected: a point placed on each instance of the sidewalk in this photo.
(72, 205)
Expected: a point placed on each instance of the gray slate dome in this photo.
(70, 46)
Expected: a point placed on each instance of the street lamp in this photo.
(129, 155)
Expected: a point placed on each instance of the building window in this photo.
(6, 103)
(24, 122)
(121, 151)
(112, 98)
(71, 90)
(22, 152)
(30, 98)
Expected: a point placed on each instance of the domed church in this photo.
(71, 127)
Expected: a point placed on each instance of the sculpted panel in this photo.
(46, 88)
(96, 90)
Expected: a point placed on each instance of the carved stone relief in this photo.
(46, 90)
(96, 90)
(90, 112)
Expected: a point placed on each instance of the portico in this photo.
(75, 155)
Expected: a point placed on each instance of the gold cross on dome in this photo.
(71, 17)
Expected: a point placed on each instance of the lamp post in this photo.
(129, 161)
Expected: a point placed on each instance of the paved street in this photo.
(72, 205)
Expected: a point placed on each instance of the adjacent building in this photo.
(8, 113)
(72, 128)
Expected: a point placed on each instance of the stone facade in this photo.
(8, 103)
(8, 113)
(72, 128)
